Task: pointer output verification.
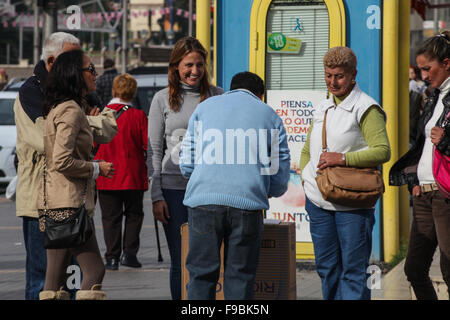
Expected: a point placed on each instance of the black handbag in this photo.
(70, 232)
(66, 227)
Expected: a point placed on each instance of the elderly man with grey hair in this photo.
(28, 114)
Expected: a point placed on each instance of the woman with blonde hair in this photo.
(169, 116)
(356, 137)
(431, 210)
(123, 195)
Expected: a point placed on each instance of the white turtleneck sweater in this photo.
(425, 168)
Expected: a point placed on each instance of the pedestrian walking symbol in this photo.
(298, 25)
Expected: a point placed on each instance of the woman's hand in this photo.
(161, 211)
(295, 167)
(106, 169)
(437, 133)
(415, 192)
(94, 111)
(330, 159)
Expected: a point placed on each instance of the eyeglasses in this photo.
(91, 69)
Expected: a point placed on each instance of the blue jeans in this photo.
(241, 232)
(342, 246)
(36, 258)
(172, 230)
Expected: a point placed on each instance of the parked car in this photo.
(149, 80)
(148, 85)
(14, 84)
(7, 136)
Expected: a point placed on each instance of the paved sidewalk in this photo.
(151, 282)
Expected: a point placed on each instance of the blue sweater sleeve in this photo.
(281, 162)
(187, 153)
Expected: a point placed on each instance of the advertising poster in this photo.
(296, 109)
(279, 43)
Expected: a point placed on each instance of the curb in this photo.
(394, 285)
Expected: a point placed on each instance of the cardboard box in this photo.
(275, 277)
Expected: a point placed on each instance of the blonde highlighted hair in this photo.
(437, 47)
(125, 87)
(340, 57)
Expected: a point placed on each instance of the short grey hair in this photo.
(54, 44)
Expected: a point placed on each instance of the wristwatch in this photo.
(344, 159)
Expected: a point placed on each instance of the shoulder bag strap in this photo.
(122, 110)
(324, 131)
(45, 182)
(44, 190)
(118, 114)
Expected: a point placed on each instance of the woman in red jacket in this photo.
(122, 196)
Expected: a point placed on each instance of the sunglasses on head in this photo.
(91, 69)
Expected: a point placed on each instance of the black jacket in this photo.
(104, 86)
(404, 171)
(31, 93)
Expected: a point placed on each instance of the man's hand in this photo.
(437, 133)
(161, 211)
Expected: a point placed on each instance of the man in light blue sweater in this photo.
(236, 156)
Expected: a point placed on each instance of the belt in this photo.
(428, 187)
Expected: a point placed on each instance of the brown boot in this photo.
(94, 294)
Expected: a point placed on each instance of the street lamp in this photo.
(51, 19)
(35, 6)
(124, 36)
(170, 34)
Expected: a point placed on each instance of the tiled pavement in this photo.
(149, 282)
(152, 280)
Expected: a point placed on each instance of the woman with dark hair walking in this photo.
(169, 115)
(431, 210)
(69, 172)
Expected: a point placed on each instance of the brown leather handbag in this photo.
(349, 186)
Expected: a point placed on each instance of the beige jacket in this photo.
(68, 143)
(30, 152)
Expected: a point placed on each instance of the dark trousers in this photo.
(178, 216)
(115, 205)
(430, 228)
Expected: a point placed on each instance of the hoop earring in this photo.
(353, 81)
